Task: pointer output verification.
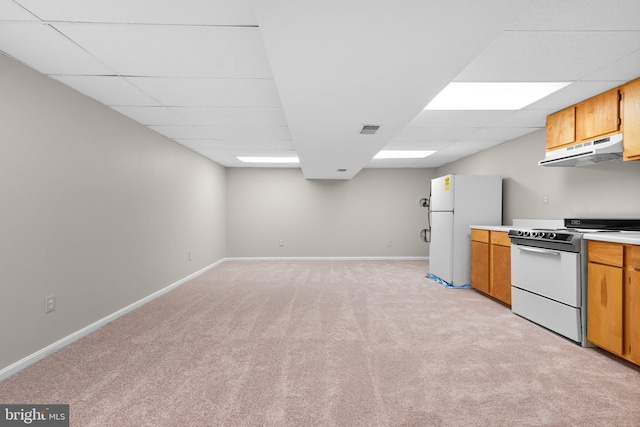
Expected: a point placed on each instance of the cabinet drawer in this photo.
(632, 257)
(605, 253)
(480, 235)
(500, 238)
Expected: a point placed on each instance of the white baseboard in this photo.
(52, 348)
(364, 258)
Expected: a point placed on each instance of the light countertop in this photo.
(628, 237)
(504, 228)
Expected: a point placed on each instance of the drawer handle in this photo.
(539, 250)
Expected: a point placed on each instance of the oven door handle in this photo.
(538, 250)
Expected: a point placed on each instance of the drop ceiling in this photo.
(229, 78)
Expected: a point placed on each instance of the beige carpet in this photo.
(328, 343)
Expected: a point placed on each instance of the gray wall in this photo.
(605, 190)
(332, 218)
(94, 209)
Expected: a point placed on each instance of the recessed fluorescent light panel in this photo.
(492, 95)
(269, 159)
(403, 154)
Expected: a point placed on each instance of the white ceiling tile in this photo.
(390, 163)
(433, 134)
(10, 11)
(43, 48)
(624, 69)
(417, 145)
(151, 115)
(572, 94)
(500, 134)
(221, 116)
(523, 118)
(264, 133)
(568, 56)
(580, 15)
(109, 90)
(178, 132)
(236, 144)
(174, 51)
(456, 118)
(230, 93)
(467, 146)
(195, 12)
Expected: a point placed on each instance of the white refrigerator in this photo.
(456, 203)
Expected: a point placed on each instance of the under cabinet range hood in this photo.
(585, 153)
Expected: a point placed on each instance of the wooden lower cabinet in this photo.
(501, 273)
(613, 298)
(604, 307)
(480, 266)
(491, 264)
(632, 315)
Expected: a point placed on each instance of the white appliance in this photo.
(456, 203)
(549, 273)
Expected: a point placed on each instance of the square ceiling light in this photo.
(492, 95)
(269, 159)
(403, 154)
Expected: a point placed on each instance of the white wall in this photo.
(604, 190)
(326, 218)
(94, 209)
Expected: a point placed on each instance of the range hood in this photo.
(585, 153)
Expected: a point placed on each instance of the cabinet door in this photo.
(561, 128)
(598, 115)
(632, 315)
(501, 273)
(480, 266)
(604, 307)
(631, 120)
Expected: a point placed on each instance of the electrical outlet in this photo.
(545, 199)
(189, 255)
(388, 243)
(50, 304)
(281, 243)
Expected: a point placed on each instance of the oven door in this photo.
(546, 272)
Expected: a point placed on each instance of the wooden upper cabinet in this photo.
(598, 116)
(631, 120)
(561, 128)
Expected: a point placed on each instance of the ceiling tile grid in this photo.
(200, 71)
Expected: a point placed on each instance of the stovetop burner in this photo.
(545, 234)
(561, 239)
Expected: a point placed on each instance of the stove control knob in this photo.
(551, 236)
(526, 233)
(519, 232)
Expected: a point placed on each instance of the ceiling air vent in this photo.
(342, 170)
(369, 129)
